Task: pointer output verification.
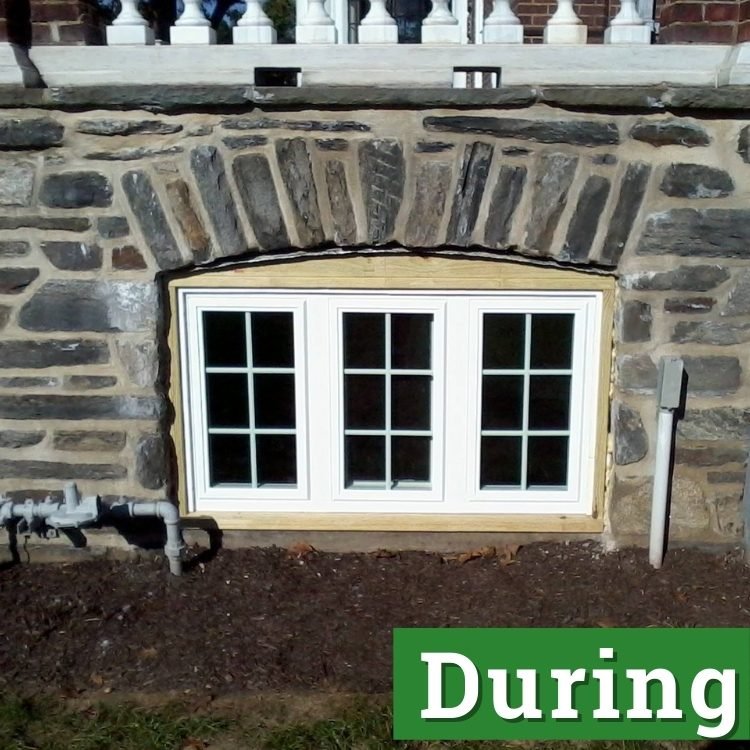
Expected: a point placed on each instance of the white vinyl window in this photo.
(399, 402)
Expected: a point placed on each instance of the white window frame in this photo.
(456, 364)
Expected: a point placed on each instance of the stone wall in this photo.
(97, 207)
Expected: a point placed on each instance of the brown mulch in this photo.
(256, 620)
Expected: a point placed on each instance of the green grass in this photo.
(47, 724)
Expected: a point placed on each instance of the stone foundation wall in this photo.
(96, 207)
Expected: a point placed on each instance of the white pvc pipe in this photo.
(171, 517)
(661, 485)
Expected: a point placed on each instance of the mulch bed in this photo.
(270, 619)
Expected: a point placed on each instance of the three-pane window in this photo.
(399, 402)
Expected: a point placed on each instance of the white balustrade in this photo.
(130, 27)
(502, 26)
(441, 26)
(255, 27)
(192, 27)
(316, 27)
(378, 26)
(564, 27)
(627, 27)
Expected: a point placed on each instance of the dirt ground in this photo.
(297, 620)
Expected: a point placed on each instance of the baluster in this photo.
(564, 27)
(130, 27)
(502, 26)
(192, 27)
(317, 27)
(255, 27)
(378, 26)
(441, 26)
(627, 27)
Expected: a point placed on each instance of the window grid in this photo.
(524, 433)
(388, 432)
(252, 431)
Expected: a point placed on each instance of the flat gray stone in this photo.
(585, 222)
(25, 381)
(515, 151)
(467, 199)
(296, 173)
(726, 477)
(45, 407)
(46, 223)
(506, 196)
(19, 438)
(573, 132)
(670, 132)
(76, 190)
(90, 382)
(433, 147)
(210, 177)
(140, 360)
(109, 127)
(30, 133)
(342, 211)
(689, 305)
(153, 222)
(73, 256)
(15, 280)
(16, 183)
(78, 305)
(631, 439)
(696, 181)
(14, 248)
(190, 223)
(712, 376)
(112, 227)
(554, 175)
(718, 423)
(382, 172)
(59, 470)
(106, 441)
(133, 154)
(5, 312)
(717, 332)
(309, 126)
(235, 143)
(635, 321)
(636, 373)
(332, 144)
(252, 173)
(35, 354)
(151, 461)
(700, 278)
(743, 144)
(702, 454)
(632, 189)
(427, 210)
(738, 302)
(707, 232)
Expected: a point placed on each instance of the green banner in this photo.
(588, 683)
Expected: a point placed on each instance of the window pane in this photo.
(224, 337)
(365, 459)
(549, 402)
(410, 459)
(274, 400)
(364, 402)
(276, 459)
(503, 341)
(411, 341)
(227, 400)
(500, 462)
(548, 461)
(551, 341)
(229, 459)
(410, 402)
(364, 340)
(273, 339)
(502, 402)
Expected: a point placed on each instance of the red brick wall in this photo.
(66, 22)
(692, 21)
